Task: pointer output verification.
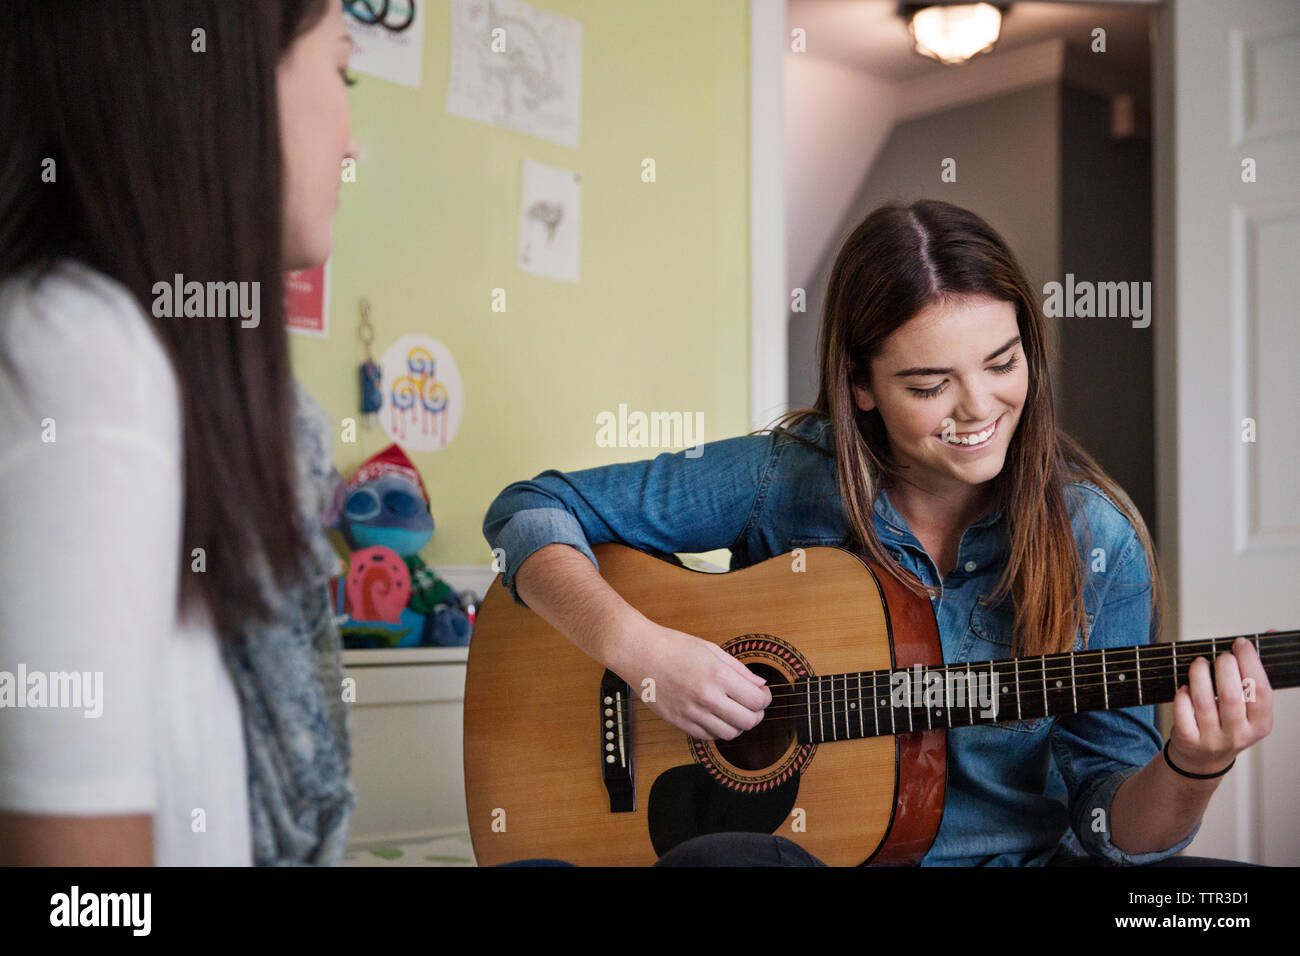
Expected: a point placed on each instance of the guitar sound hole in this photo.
(763, 746)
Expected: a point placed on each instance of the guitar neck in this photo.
(878, 703)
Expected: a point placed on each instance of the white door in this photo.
(1228, 345)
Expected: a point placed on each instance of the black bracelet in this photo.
(1194, 776)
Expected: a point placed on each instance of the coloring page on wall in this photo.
(388, 37)
(550, 207)
(423, 394)
(307, 301)
(516, 66)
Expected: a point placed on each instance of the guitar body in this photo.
(557, 764)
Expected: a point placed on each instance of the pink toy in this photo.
(378, 585)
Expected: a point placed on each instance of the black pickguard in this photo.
(687, 802)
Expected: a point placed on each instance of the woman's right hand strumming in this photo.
(697, 686)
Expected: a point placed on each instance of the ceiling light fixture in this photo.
(952, 34)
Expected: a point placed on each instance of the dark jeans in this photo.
(763, 849)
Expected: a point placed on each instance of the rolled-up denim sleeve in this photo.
(1097, 751)
(676, 502)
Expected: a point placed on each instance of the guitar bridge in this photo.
(616, 743)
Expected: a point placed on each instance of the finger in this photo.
(692, 729)
(1232, 708)
(1252, 670)
(1202, 691)
(745, 694)
(715, 727)
(1185, 729)
(732, 713)
(744, 671)
(738, 668)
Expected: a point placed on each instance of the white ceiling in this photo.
(869, 36)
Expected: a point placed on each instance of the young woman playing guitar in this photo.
(932, 450)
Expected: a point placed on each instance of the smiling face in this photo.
(315, 136)
(956, 370)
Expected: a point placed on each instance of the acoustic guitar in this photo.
(565, 759)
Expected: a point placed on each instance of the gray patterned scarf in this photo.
(289, 676)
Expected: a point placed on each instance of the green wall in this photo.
(660, 318)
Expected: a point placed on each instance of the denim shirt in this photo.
(1017, 793)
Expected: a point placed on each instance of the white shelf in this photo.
(405, 655)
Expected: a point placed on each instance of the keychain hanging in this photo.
(371, 375)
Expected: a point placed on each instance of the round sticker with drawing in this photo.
(423, 394)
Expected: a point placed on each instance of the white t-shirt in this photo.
(90, 559)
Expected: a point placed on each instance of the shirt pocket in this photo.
(992, 632)
(817, 541)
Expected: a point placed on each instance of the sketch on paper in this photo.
(515, 66)
(549, 221)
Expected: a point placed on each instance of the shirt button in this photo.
(970, 565)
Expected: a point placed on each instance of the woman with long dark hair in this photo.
(932, 449)
(160, 473)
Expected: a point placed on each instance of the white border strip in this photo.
(769, 297)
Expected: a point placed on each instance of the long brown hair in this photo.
(167, 160)
(901, 259)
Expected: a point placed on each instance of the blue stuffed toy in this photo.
(387, 506)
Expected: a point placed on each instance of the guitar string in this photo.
(839, 694)
(1149, 672)
(1087, 659)
(801, 714)
(800, 711)
(664, 730)
(1035, 674)
(1275, 652)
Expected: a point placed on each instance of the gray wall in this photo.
(1105, 387)
(1008, 171)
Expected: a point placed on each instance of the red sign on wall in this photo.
(306, 301)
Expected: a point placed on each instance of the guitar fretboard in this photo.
(878, 703)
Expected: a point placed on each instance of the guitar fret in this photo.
(810, 733)
(893, 723)
(993, 685)
(848, 730)
(1088, 681)
(862, 731)
(911, 705)
(831, 708)
(1126, 693)
(1074, 684)
(821, 712)
(1105, 681)
(833, 725)
(924, 682)
(1043, 663)
(875, 711)
(1016, 665)
(1137, 665)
